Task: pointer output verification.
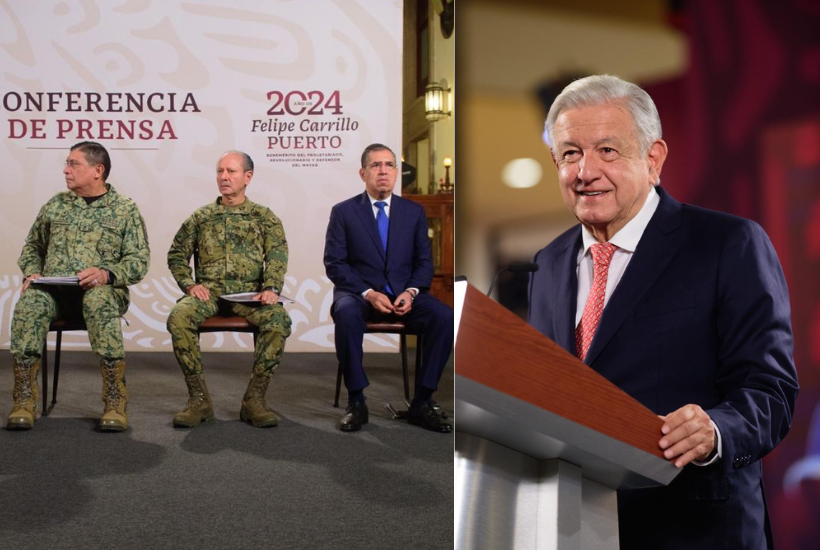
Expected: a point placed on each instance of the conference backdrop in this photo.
(167, 86)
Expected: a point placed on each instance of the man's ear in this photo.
(655, 159)
(361, 173)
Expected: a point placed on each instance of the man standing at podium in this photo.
(683, 308)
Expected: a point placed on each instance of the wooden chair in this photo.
(389, 328)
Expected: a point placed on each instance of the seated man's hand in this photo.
(199, 291)
(27, 280)
(688, 435)
(380, 302)
(403, 303)
(91, 277)
(267, 297)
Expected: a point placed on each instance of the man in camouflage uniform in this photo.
(95, 233)
(240, 247)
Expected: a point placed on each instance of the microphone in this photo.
(521, 267)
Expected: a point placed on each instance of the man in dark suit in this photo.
(378, 256)
(683, 308)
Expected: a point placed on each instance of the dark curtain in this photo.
(743, 129)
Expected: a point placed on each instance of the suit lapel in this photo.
(365, 212)
(655, 250)
(565, 294)
(397, 218)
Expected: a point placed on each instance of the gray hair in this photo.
(601, 90)
(247, 161)
(376, 147)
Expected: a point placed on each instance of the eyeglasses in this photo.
(71, 163)
(378, 165)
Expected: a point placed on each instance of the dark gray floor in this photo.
(300, 485)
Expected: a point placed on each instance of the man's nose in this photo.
(589, 168)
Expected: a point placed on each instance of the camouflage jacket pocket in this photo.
(211, 243)
(109, 243)
(57, 260)
(59, 234)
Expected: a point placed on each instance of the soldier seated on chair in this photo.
(98, 235)
(241, 248)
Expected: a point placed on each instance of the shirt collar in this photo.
(374, 201)
(629, 236)
(101, 202)
(238, 209)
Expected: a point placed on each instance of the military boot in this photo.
(25, 397)
(254, 410)
(114, 396)
(199, 408)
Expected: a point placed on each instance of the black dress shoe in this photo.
(355, 417)
(429, 418)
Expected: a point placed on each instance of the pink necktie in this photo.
(601, 258)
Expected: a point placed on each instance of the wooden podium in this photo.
(542, 441)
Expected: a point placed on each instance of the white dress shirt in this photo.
(376, 208)
(626, 240)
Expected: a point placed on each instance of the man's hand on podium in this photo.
(688, 435)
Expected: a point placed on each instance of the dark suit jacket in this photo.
(702, 316)
(354, 258)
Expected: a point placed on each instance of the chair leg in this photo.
(338, 386)
(57, 367)
(44, 374)
(403, 350)
(418, 360)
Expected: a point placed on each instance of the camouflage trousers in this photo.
(189, 312)
(101, 307)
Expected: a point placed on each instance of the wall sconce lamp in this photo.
(437, 101)
(447, 185)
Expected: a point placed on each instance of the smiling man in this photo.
(98, 235)
(377, 254)
(683, 308)
(239, 246)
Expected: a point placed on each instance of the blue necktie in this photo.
(383, 222)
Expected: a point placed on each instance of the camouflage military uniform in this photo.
(240, 249)
(67, 237)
